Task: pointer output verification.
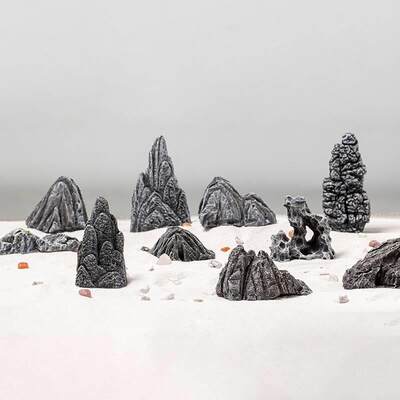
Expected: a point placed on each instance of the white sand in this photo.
(55, 344)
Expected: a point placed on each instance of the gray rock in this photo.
(181, 245)
(62, 209)
(380, 267)
(100, 256)
(57, 242)
(248, 276)
(223, 205)
(158, 201)
(344, 201)
(298, 247)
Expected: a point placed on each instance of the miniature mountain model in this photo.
(181, 245)
(299, 248)
(248, 276)
(345, 202)
(380, 267)
(158, 201)
(223, 205)
(61, 210)
(100, 256)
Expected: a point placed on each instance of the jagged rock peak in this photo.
(62, 209)
(248, 276)
(298, 247)
(344, 200)
(101, 261)
(223, 205)
(181, 245)
(158, 201)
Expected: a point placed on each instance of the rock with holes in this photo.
(345, 201)
(181, 245)
(299, 247)
(101, 261)
(251, 276)
(158, 201)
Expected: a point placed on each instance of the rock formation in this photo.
(61, 210)
(298, 247)
(223, 205)
(57, 242)
(380, 267)
(100, 256)
(181, 245)
(345, 202)
(158, 201)
(248, 276)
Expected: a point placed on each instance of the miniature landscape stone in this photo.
(100, 256)
(61, 210)
(345, 202)
(379, 268)
(299, 247)
(158, 201)
(223, 205)
(248, 276)
(57, 242)
(181, 245)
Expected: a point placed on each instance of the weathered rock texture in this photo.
(181, 245)
(61, 210)
(158, 201)
(21, 241)
(248, 276)
(100, 256)
(223, 205)
(299, 247)
(344, 200)
(380, 267)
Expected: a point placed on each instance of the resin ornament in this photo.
(248, 276)
(100, 256)
(223, 205)
(158, 201)
(344, 201)
(298, 247)
(61, 210)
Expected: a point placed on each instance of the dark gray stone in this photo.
(380, 267)
(61, 210)
(223, 205)
(100, 256)
(181, 245)
(158, 201)
(299, 248)
(344, 200)
(248, 276)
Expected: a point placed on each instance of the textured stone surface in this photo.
(248, 276)
(181, 245)
(223, 205)
(100, 256)
(57, 242)
(300, 218)
(62, 209)
(344, 201)
(380, 267)
(158, 201)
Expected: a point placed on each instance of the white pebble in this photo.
(343, 299)
(239, 241)
(215, 264)
(164, 260)
(333, 278)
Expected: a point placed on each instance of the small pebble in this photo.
(145, 298)
(343, 299)
(291, 233)
(23, 265)
(186, 225)
(239, 241)
(225, 249)
(34, 283)
(198, 300)
(151, 269)
(145, 290)
(164, 260)
(333, 278)
(215, 264)
(144, 248)
(85, 293)
(375, 244)
(171, 296)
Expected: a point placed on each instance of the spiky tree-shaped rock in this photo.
(101, 253)
(344, 201)
(158, 201)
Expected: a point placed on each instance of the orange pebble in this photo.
(225, 249)
(23, 265)
(85, 293)
(291, 233)
(186, 225)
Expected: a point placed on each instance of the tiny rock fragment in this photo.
(144, 248)
(23, 265)
(151, 269)
(333, 278)
(324, 273)
(215, 264)
(145, 290)
(171, 296)
(239, 241)
(164, 259)
(85, 292)
(291, 233)
(343, 299)
(225, 249)
(35, 283)
(186, 225)
(145, 298)
(198, 300)
(374, 244)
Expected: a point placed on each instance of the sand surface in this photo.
(55, 344)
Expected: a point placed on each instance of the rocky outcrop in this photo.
(223, 205)
(158, 201)
(345, 202)
(299, 247)
(100, 256)
(181, 245)
(248, 276)
(57, 242)
(61, 210)
(380, 267)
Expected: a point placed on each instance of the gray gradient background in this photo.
(255, 91)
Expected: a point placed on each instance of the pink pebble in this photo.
(85, 292)
(374, 244)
